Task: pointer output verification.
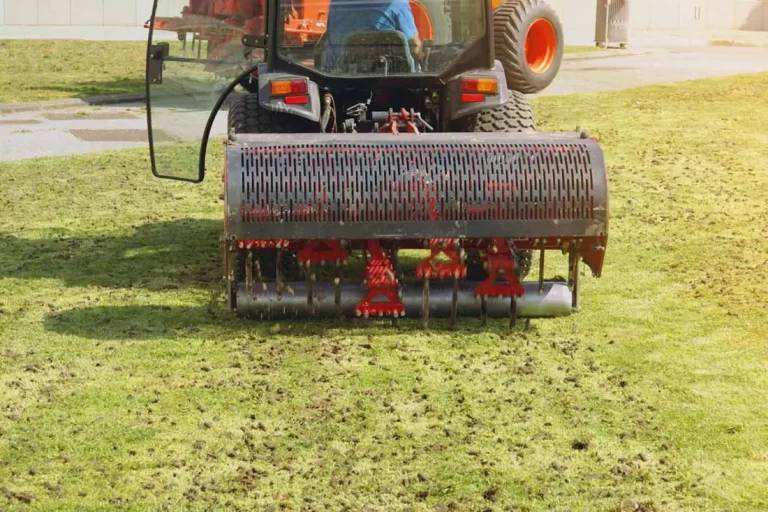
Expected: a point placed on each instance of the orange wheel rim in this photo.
(422, 20)
(540, 45)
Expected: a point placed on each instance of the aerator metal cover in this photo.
(362, 186)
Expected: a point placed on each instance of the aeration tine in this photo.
(309, 290)
(454, 303)
(541, 268)
(279, 274)
(575, 279)
(425, 304)
(232, 263)
(337, 289)
(249, 273)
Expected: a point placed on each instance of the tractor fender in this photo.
(310, 110)
(456, 108)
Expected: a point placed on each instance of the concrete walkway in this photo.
(88, 129)
(60, 132)
(655, 67)
(697, 38)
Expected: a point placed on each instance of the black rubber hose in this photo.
(212, 118)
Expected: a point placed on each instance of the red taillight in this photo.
(296, 100)
(472, 98)
(480, 85)
(298, 87)
(476, 89)
(286, 87)
(469, 85)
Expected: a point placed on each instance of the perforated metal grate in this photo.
(375, 183)
(358, 182)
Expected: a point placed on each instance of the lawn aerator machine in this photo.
(371, 140)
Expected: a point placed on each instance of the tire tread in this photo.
(508, 22)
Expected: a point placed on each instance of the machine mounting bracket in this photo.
(158, 53)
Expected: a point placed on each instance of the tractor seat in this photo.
(362, 54)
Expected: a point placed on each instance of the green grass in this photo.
(124, 381)
(50, 70)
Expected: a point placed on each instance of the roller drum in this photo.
(264, 302)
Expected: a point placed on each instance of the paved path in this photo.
(90, 129)
(655, 67)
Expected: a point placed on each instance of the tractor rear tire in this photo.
(528, 40)
(246, 115)
(515, 116)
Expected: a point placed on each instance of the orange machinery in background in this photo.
(219, 21)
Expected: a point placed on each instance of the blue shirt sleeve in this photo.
(401, 11)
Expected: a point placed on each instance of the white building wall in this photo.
(699, 14)
(19, 12)
(578, 16)
(127, 13)
(720, 14)
(120, 13)
(578, 19)
(53, 12)
(143, 10)
(88, 12)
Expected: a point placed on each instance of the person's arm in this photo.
(417, 47)
(407, 25)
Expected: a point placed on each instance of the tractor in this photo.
(528, 35)
(346, 147)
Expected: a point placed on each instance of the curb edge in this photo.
(111, 99)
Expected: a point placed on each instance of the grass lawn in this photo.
(124, 381)
(51, 70)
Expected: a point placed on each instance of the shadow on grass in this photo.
(163, 256)
(158, 321)
(136, 322)
(84, 90)
(158, 256)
